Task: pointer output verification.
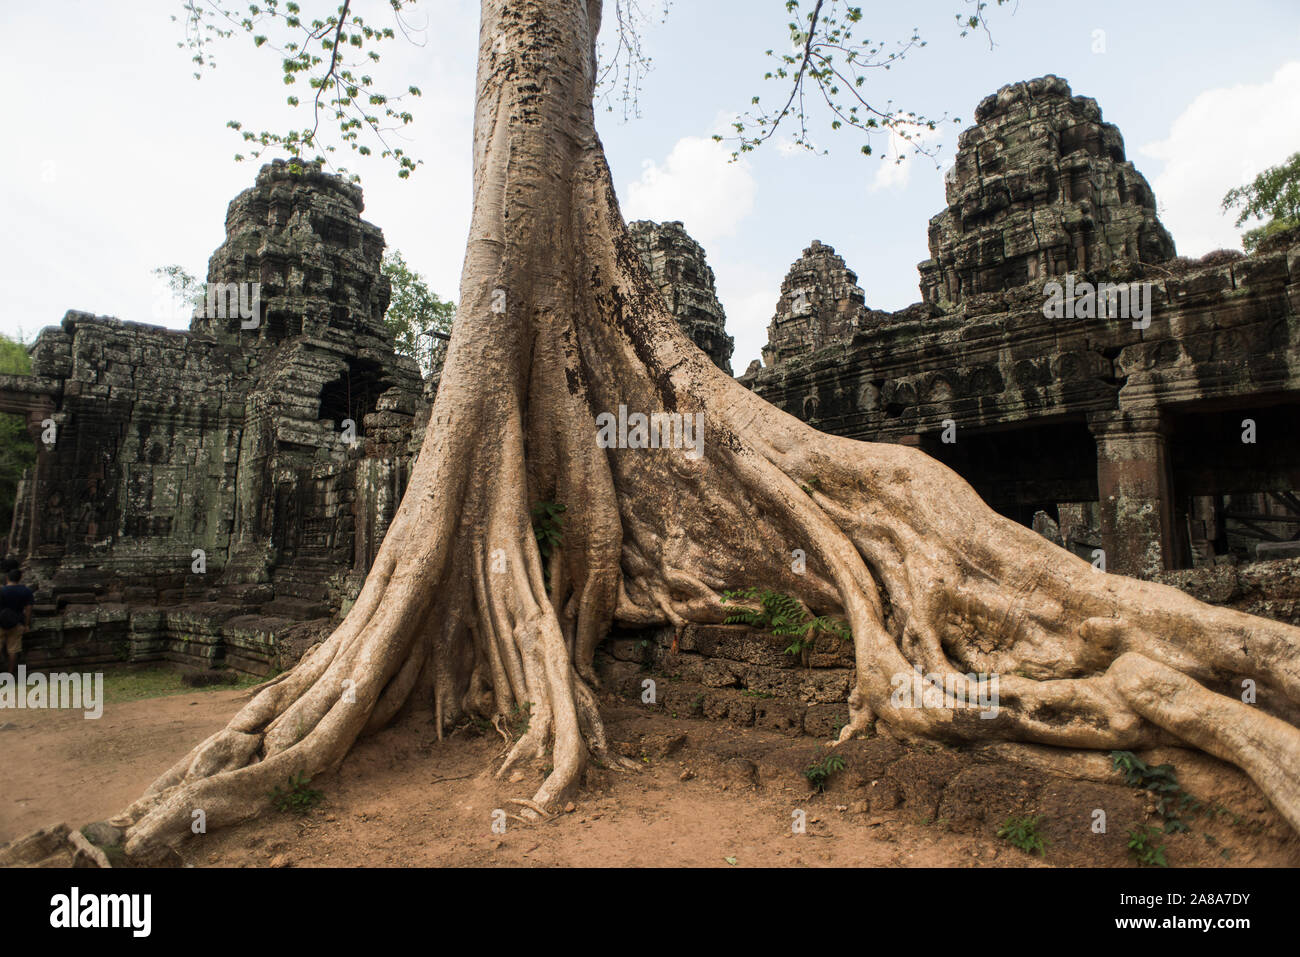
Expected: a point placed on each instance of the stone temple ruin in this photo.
(202, 491)
(821, 303)
(1117, 437)
(1124, 436)
(677, 264)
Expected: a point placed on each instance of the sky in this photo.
(119, 161)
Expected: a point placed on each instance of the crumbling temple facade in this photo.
(1147, 443)
(677, 264)
(821, 303)
(196, 493)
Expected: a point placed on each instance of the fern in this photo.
(820, 773)
(782, 615)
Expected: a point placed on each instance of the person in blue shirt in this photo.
(16, 602)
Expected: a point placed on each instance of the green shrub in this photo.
(820, 773)
(1022, 832)
(1141, 844)
(297, 798)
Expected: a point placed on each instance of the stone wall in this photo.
(735, 674)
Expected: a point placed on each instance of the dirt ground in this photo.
(706, 795)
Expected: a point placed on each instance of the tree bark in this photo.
(558, 322)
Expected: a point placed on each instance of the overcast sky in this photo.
(118, 161)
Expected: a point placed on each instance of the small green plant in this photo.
(782, 615)
(1162, 780)
(518, 718)
(548, 527)
(1141, 844)
(819, 773)
(297, 798)
(1022, 832)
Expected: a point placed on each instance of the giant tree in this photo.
(558, 324)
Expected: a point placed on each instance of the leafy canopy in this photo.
(414, 313)
(827, 66)
(1273, 195)
(337, 55)
(185, 288)
(17, 453)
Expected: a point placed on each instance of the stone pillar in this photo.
(1136, 493)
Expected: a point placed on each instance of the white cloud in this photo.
(749, 296)
(1223, 139)
(698, 184)
(895, 166)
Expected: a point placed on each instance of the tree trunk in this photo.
(558, 323)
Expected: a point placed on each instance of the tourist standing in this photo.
(16, 601)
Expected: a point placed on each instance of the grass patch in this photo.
(137, 684)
